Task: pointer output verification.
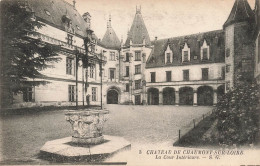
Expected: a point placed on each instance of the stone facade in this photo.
(188, 70)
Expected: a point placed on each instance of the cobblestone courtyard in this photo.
(22, 136)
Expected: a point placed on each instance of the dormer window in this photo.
(185, 53)
(204, 51)
(186, 56)
(168, 58)
(168, 55)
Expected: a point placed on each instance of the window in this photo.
(28, 94)
(205, 54)
(153, 76)
(195, 57)
(69, 66)
(227, 52)
(127, 87)
(137, 84)
(205, 74)
(137, 55)
(227, 68)
(168, 76)
(186, 56)
(127, 71)
(137, 69)
(92, 71)
(94, 94)
(168, 58)
(112, 74)
(69, 39)
(72, 92)
(186, 75)
(127, 57)
(112, 56)
(223, 73)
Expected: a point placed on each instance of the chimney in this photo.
(87, 17)
(155, 38)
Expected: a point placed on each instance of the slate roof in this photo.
(138, 31)
(110, 39)
(240, 12)
(215, 40)
(57, 9)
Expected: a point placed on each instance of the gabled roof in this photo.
(240, 12)
(138, 31)
(215, 40)
(52, 12)
(110, 39)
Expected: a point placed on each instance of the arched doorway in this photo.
(168, 96)
(205, 95)
(186, 96)
(220, 91)
(112, 96)
(153, 96)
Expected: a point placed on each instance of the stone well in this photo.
(87, 125)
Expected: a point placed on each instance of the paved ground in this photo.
(23, 135)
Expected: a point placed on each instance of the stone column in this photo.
(177, 98)
(195, 98)
(215, 97)
(160, 98)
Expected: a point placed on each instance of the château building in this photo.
(193, 69)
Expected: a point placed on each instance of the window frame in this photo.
(168, 76)
(186, 75)
(137, 55)
(127, 71)
(186, 56)
(153, 77)
(92, 71)
(112, 56)
(205, 53)
(138, 83)
(137, 69)
(94, 93)
(71, 93)
(168, 57)
(69, 66)
(205, 73)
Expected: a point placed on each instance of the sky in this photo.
(163, 18)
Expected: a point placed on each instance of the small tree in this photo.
(22, 57)
(238, 115)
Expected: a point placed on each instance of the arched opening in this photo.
(205, 95)
(153, 96)
(186, 96)
(168, 96)
(220, 91)
(112, 96)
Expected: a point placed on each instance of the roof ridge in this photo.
(219, 30)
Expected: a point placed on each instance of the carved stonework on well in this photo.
(87, 125)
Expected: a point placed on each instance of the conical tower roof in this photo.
(110, 39)
(138, 31)
(240, 12)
